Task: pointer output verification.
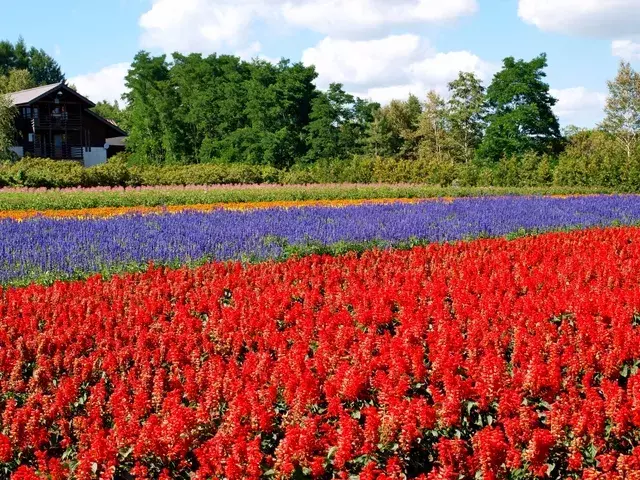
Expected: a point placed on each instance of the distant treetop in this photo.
(41, 66)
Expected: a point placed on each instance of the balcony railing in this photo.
(59, 152)
(62, 121)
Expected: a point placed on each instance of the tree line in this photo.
(221, 109)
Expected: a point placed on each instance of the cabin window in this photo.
(31, 137)
(36, 112)
(26, 112)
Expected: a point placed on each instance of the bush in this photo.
(42, 172)
(582, 165)
(114, 173)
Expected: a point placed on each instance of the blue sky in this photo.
(378, 49)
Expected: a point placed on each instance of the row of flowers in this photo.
(494, 358)
(105, 212)
(42, 249)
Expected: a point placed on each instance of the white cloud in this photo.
(597, 18)
(221, 25)
(441, 68)
(384, 95)
(626, 49)
(197, 25)
(106, 84)
(579, 106)
(391, 67)
(365, 62)
(349, 17)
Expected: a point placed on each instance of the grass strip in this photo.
(71, 199)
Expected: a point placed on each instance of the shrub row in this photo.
(47, 173)
(528, 170)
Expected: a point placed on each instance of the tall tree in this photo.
(213, 96)
(7, 126)
(330, 111)
(466, 112)
(381, 137)
(521, 118)
(154, 136)
(338, 124)
(432, 130)
(278, 107)
(42, 67)
(355, 133)
(623, 109)
(404, 119)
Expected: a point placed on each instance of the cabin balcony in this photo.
(57, 122)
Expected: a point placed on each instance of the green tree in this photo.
(403, 119)
(42, 67)
(7, 126)
(154, 136)
(434, 141)
(213, 96)
(338, 124)
(16, 80)
(466, 110)
(623, 109)
(278, 108)
(520, 117)
(355, 133)
(381, 138)
(330, 111)
(112, 111)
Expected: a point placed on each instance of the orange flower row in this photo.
(104, 212)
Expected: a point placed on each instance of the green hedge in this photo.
(46, 173)
(528, 170)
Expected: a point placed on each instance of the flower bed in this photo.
(491, 357)
(106, 212)
(44, 249)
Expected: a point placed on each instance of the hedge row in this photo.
(525, 171)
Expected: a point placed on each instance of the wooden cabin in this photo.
(54, 121)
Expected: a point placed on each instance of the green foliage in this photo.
(112, 111)
(42, 67)
(154, 132)
(338, 124)
(16, 80)
(41, 172)
(219, 109)
(465, 114)
(623, 109)
(432, 128)
(7, 126)
(521, 118)
(204, 174)
(595, 157)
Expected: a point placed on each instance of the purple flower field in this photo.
(43, 249)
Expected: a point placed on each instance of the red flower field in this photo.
(508, 359)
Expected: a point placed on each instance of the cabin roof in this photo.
(31, 95)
